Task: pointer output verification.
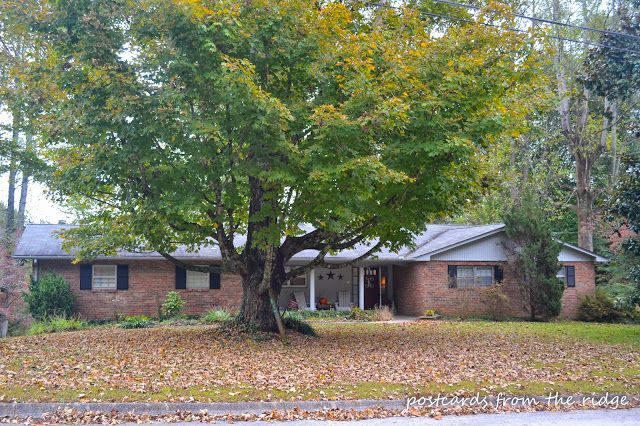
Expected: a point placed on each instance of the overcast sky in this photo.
(40, 209)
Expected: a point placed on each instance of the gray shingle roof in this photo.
(41, 241)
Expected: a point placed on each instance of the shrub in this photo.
(138, 321)
(48, 297)
(495, 299)
(622, 295)
(359, 314)
(294, 321)
(56, 324)
(599, 309)
(172, 305)
(215, 316)
(382, 313)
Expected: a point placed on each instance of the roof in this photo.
(40, 241)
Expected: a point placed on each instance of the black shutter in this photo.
(85, 277)
(453, 274)
(123, 277)
(570, 273)
(498, 274)
(214, 280)
(181, 277)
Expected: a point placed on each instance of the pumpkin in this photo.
(324, 301)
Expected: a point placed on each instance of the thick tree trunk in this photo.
(257, 309)
(584, 208)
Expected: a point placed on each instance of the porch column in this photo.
(361, 287)
(312, 289)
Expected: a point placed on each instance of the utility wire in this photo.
(567, 39)
(518, 30)
(546, 21)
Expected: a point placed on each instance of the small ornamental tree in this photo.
(533, 254)
(194, 122)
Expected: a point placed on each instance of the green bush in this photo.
(48, 297)
(360, 314)
(599, 308)
(57, 324)
(172, 305)
(138, 321)
(622, 295)
(215, 316)
(294, 321)
(322, 314)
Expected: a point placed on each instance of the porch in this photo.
(365, 286)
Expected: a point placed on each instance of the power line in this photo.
(567, 39)
(545, 21)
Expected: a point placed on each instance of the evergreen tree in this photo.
(534, 254)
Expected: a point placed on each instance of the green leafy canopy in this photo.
(189, 122)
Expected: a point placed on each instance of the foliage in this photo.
(625, 204)
(172, 305)
(231, 117)
(294, 321)
(323, 314)
(532, 354)
(599, 308)
(377, 314)
(623, 296)
(13, 280)
(533, 253)
(215, 316)
(138, 321)
(56, 324)
(495, 300)
(359, 314)
(49, 296)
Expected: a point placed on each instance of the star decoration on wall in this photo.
(330, 275)
(320, 277)
(339, 276)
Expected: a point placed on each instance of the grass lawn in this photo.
(346, 361)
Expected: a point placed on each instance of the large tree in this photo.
(193, 122)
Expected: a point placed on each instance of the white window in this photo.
(474, 276)
(104, 276)
(197, 280)
(299, 281)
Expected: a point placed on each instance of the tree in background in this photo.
(626, 205)
(193, 122)
(20, 97)
(533, 254)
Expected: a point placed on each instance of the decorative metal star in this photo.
(339, 276)
(320, 277)
(330, 275)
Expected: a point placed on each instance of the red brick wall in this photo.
(424, 285)
(149, 283)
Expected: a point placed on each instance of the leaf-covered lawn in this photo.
(346, 361)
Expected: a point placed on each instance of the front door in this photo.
(371, 288)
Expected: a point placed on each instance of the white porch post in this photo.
(312, 289)
(361, 287)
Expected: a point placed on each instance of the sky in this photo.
(40, 209)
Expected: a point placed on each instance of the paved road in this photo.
(547, 418)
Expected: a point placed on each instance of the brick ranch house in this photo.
(449, 270)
